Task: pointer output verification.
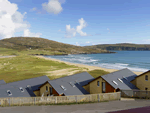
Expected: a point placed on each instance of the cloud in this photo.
(59, 30)
(33, 9)
(27, 33)
(81, 26)
(87, 42)
(70, 32)
(11, 20)
(77, 44)
(108, 30)
(53, 6)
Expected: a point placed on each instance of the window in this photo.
(51, 91)
(63, 87)
(103, 87)
(46, 88)
(125, 78)
(146, 77)
(28, 86)
(72, 84)
(146, 88)
(120, 80)
(21, 89)
(9, 92)
(115, 83)
(97, 83)
(77, 82)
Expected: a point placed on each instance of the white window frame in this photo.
(115, 82)
(98, 84)
(120, 80)
(63, 87)
(125, 78)
(21, 88)
(8, 93)
(72, 84)
(77, 81)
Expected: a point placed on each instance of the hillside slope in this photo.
(122, 46)
(32, 43)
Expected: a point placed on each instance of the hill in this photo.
(122, 46)
(45, 46)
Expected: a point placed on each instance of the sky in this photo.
(77, 22)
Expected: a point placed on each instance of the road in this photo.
(82, 108)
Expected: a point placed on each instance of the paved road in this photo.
(82, 108)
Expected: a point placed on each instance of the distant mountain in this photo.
(27, 43)
(122, 46)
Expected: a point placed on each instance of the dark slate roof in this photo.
(82, 78)
(14, 87)
(2, 82)
(126, 85)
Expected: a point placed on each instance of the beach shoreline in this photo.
(90, 68)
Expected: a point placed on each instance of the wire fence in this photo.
(20, 101)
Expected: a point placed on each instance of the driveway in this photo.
(82, 108)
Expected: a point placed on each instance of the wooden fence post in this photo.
(76, 98)
(9, 101)
(98, 97)
(34, 100)
(56, 100)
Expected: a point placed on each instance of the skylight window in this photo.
(125, 78)
(72, 84)
(115, 83)
(77, 82)
(63, 87)
(28, 86)
(21, 89)
(9, 92)
(120, 80)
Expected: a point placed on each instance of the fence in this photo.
(19, 101)
(135, 93)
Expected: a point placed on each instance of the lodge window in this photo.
(97, 83)
(146, 77)
(46, 88)
(146, 88)
(51, 90)
(103, 87)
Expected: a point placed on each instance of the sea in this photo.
(138, 61)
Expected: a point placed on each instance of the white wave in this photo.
(122, 64)
(116, 66)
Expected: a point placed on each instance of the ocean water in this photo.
(133, 60)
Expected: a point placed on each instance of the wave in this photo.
(101, 62)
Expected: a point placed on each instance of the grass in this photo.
(66, 103)
(96, 73)
(25, 67)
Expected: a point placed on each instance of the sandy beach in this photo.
(85, 66)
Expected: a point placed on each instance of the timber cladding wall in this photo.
(109, 88)
(141, 83)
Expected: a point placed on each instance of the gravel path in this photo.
(82, 108)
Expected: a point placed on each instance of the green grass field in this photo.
(25, 66)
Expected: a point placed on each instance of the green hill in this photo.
(122, 46)
(32, 45)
